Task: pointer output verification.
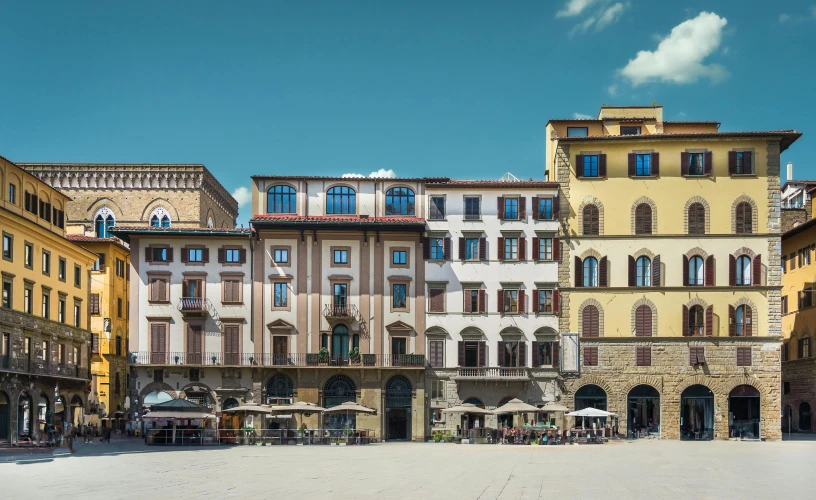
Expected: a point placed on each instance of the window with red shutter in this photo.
(643, 321)
(436, 350)
(696, 219)
(643, 356)
(591, 222)
(643, 219)
(590, 356)
(744, 218)
(437, 300)
(590, 326)
(744, 356)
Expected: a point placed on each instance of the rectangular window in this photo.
(120, 268)
(46, 263)
(232, 255)
(545, 353)
(577, 131)
(643, 356)
(77, 276)
(437, 387)
(511, 208)
(786, 388)
(8, 247)
(804, 348)
(159, 254)
(590, 356)
(472, 249)
(280, 255)
(545, 301)
(744, 356)
(12, 194)
(62, 271)
(437, 208)
(232, 290)
(46, 353)
(473, 210)
(28, 255)
(94, 303)
(399, 257)
(630, 130)
(511, 305)
(341, 257)
(512, 355)
(511, 251)
(281, 295)
(697, 356)
(545, 249)
(643, 165)
(784, 264)
(806, 256)
(118, 307)
(400, 295)
(158, 290)
(696, 164)
(8, 293)
(195, 255)
(591, 166)
(545, 209)
(785, 305)
(436, 300)
(742, 163)
(77, 315)
(46, 304)
(76, 358)
(61, 310)
(28, 300)
(438, 248)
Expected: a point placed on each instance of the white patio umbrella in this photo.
(592, 413)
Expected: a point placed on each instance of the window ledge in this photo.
(645, 176)
(744, 175)
(159, 302)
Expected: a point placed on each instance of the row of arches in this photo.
(340, 200)
(696, 216)
(104, 219)
(35, 415)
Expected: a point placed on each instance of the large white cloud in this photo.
(679, 57)
(573, 8)
(242, 195)
(379, 173)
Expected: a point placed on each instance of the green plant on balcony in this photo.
(354, 356)
(323, 356)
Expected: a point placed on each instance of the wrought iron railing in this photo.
(192, 304)
(38, 367)
(493, 372)
(340, 311)
(272, 359)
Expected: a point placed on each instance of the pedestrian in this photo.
(108, 434)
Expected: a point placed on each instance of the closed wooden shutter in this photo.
(94, 303)
(95, 343)
(482, 302)
(632, 272)
(732, 321)
(732, 162)
(500, 300)
(462, 248)
(686, 271)
(579, 165)
(757, 263)
(501, 248)
(162, 285)
(447, 248)
(522, 249)
(744, 356)
(500, 207)
(590, 356)
(170, 254)
(655, 164)
(426, 249)
(556, 354)
(221, 255)
(748, 321)
(643, 219)
(522, 208)
(536, 206)
(709, 164)
(686, 330)
(185, 253)
(747, 163)
(536, 249)
(556, 249)
(601, 165)
(591, 222)
(536, 354)
(521, 302)
(656, 271)
(602, 273)
(632, 164)
(590, 322)
(732, 270)
(535, 300)
(461, 353)
(468, 305)
(482, 353)
(482, 249)
(643, 321)
(709, 321)
(205, 255)
(556, 302)
(242, 255)
(500, 352)
(684, 164)
(556, 207)
(522, 353)
(709, 271)
(643, 356)
(231, 344)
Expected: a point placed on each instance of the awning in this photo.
(282, 417)
(179, 415)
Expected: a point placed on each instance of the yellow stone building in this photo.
(670, 271)
(798, 328)
(45, 342)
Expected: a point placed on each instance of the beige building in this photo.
(670, 271)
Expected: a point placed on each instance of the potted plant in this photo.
(323, 356)
(354, 356)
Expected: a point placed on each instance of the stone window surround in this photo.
(591, 302)
(641, 302)
(288, 249)
(226, 276)
(77, 272)
(239, 322)
(707, 209)
(518, 197)
(438, 285)
(753, 161)
(400, 280)
(46, 255)
(152, 276)
(10, 236)
(754, 216)
(62, 261)
(194, 276)
(224, 248)
(281, 279)
(639, 201)
(464, 205)
(332, 249)
(407, 251)
(166, 321)
(185, 250)
(590, 200)
(356, 198)
(158, 262)
(745, 301)
(445, 198)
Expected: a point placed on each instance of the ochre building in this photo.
(670, 271)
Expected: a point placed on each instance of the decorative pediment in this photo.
(399, 326)
(280, 324)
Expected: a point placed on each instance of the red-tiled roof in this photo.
(81, 238)
(493, 184)
(353, 219)
(788, 136)
(182, 229)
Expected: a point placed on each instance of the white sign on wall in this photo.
(570, 353)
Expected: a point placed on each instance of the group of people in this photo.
(516, 435)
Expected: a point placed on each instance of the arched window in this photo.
(643, 219)
(341, 200)
(591, 220)
(103, 222)
(696, 323)
(643, 321)
(160, 218)
(744, 215)
(590, 322)
(696, 276)
(280, 386)
(338, 390)
(340, 342)
(696, 219)
(743, 320)
(399, 201)
(804, 416)
(590, 271)
(281, 200)
(743, 270)
(643, 267)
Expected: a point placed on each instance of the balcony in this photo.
(37, 367)
(277, 360)
(341, 311)
(192, 305)
(492, 373)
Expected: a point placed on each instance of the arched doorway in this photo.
(338, 390)
(5, 416)
(743, 412)
(804, 417)
(697, 413)
(45, 415)
(398, 396)
(229, 422)
(473, 421)
(643, 416)
(590, 396)
(60, 415)
(77, 410)
(787, 418)
(25, 416)
(505, 419)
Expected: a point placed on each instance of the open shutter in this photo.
(708, 165)
(221, 253)
(501, 248)
(242, 255)
(602, 166)
(536, 355)
(747, 166)
(655, 164)
(732, 162)
(185, 252)
(522, 302)
(500, 207)
(205, 255)
(692, 356)
(501, 348)
(632, 164)
(556, 354)
(536, 208)
(757, 281)
(579, 165)
(709, 321)
(556, 301)
(170, 254)
(579, 273)
(468, 305)
(522, 350)
(426, 250)
(632, 272)
(748, 321)
(535, 300)
(446, 248)
(685, 320)
(522, 249)
(684, 163)
(732, 270)
(602, 273)
(500, 300)
(556, 207)
(461, 353)
(732, 321)
(522, 208)
(709, 271)
(656, 271)
(536, 248)
(482, 302)
(462, 248)
(556, 249)
(482, 248)
(482, 353)
(162, 284)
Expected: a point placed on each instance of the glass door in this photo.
(340, 299)
(398, 349)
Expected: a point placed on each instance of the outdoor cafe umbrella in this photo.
(515, 406)
(467, 408)
(592, 413)
(554, 408)
(349, 407)
(300, 407)
(249, 408)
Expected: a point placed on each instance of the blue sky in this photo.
(457, 88)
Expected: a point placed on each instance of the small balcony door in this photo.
(280, 349)
(340, 344)
(192, 295)
(232, 345)
(194, 344)
(340, 301)
(399, 346)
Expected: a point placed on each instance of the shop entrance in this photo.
(643, 417)
(804, 417)
(590, 396)
(398, 408)
(697, 414)
(743, 412)
(5, 416)
(473, 421)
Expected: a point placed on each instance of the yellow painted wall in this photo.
(798, 323)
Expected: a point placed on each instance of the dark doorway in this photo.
(5, 416)
(643, 418)
(398, 395)
(590, 396)
(338, 390)
(25, 416)
(697, 414)
(471, 353)
(505, 419)
(804, 417)
(473, 421)
(399, 347)
(743, 412)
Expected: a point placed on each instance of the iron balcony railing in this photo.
(38, 367)
(340, 311)
(493, 373)
(192, 305)
(278, 360)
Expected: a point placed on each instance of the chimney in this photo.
(790, 171)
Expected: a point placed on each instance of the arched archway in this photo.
(590, 396)
(229, 421)
(44, 413)
(643, 414)
(25, 416)
(338, 390)
(697, 413)
(805, 417)
(156, 397)
(473, 421)
(5, 416)
(279, 389)
(744, 412)
(61, 415)
(77, 410)
(398, 395)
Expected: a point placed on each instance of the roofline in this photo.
(55, 234)
(341, 178)
(362, 224)
(494, 184)
(802, 182)
(790, 135)
(125, 232)
(107, 164)
(799, 229)
(651, 106)
(98, 241)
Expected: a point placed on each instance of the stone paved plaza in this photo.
(641, 469)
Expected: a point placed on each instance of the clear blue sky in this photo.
(457, 88)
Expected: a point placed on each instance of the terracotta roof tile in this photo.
(493, 184)
(788, 136)
(351, 219)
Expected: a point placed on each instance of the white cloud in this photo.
(381, 173)
(783, 18)
(609, 16)
(573, 8)
(679, 57)
(242, 195)
(581, 116)
(612, 90)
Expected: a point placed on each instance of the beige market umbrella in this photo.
(515, 405)
(249, 408)
(467, 408)
(553, 407)
(349, 407)
(300, 407)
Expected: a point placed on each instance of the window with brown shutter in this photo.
(232, 349)
(194, 344)
(744, 218)
(697, 356)
(643, 356)
(158, 343)
(696, 219)
(95, 343)
(643, 321)
(436, 300)
(590, 356)
(643, 219)
(590, 324)
(744, 356)
(232, 290)
(158, 290)
(94, 303)
(591, 220)
(436, 353)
